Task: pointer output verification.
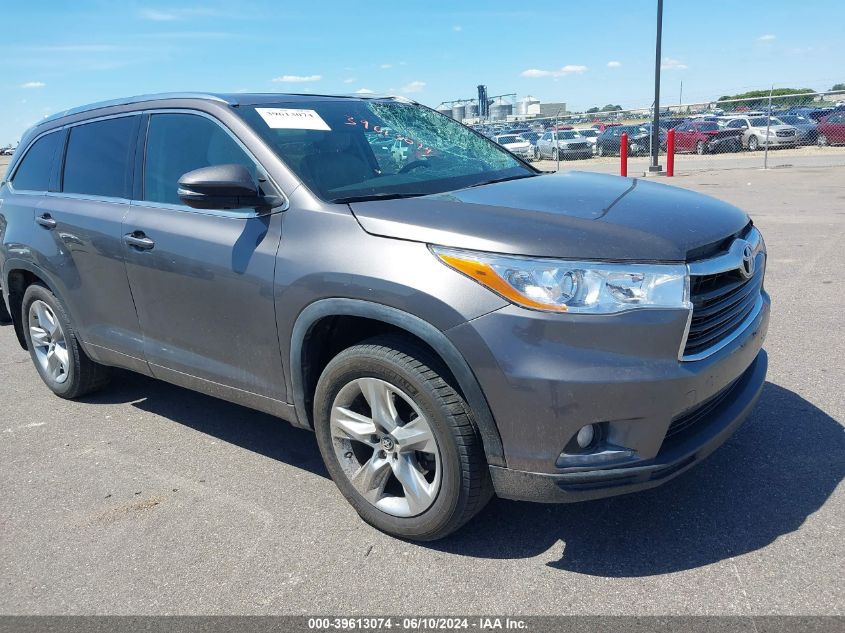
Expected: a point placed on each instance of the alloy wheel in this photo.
(48, 341)
(385, 447)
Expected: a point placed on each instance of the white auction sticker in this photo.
(292, 119)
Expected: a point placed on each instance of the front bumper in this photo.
(672, 460)
(545, 376)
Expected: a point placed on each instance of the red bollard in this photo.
(623, 154)
(670, 153)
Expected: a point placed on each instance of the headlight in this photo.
(568, 286)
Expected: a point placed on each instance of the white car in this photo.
(756, 129)
(563, 144)
(516, 145)
(590, 134)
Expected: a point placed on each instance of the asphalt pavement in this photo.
(150, 499)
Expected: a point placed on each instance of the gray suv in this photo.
(451, 322)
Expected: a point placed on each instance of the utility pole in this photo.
(655, 127)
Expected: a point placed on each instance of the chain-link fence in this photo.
(766, 130)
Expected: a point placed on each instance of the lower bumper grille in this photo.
(700, 413)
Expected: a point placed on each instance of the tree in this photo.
(838, 88)
(760, 98)
(592, 110)
(611, 108)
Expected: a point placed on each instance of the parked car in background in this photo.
(7, 151)
(516, 145)
(807, 133)
(607, 340)
(608, 142)
(601, 127)
(760, 131)
(532, 137)
(706, 137)
(831, 129)
(661, 135)
(563, 144)
(669, 124)
(590, 134)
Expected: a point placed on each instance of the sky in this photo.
(57, 54)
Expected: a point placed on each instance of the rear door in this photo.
(202, 280)
(78, 237)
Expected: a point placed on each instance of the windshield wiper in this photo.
(505, 179)
(377, 196)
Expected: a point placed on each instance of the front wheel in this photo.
(753, 144)
(555, 154)
(600, 150)
(822, 140)
(399, 440)
(700, 148)
(54, 347)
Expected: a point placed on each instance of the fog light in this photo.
(585, 436)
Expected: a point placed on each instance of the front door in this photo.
(202, 280)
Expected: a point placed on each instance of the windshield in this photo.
(507, 140)
(352, 149)
(760, 121)
(795, 119)
(590, 133)
(709, 126)
(567, 135)
(634, 129)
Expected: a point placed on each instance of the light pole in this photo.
(655, 127)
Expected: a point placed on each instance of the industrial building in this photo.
(499, 108)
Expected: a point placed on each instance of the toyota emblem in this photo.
(747, 267)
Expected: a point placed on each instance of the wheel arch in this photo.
(302, 368)
(18, 276)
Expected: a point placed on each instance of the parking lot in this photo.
(150, 499)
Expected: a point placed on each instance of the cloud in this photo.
(768, 37)
(414, 86)
(364, 91)
(386, 66)
(614, 64)
(173, 15)
(457, 28)
(296, 79)
(569, 69)
(672, 64)
(33, 84)
(351, 80)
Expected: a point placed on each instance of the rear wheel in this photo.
(822, 140)
(54, 348)
(555, 154)
(399, 441)
(600, 149)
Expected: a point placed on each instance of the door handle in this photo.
(46, 220)
(139, 240)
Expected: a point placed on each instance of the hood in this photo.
(576, 215)
(720, 133)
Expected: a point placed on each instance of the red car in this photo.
(831, 129)
(601, 127)
(706, 137)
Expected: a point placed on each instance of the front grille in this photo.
(699, 413)
(720, 303)
(577, 146)
(783, 133)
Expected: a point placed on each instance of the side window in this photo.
(34, 171)
(179, 143)
(97, 161)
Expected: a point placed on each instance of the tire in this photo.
(555, 154)
(5, 317)
(700, 148)
(54, 348)
(392, 369)
(600, 150)
(822, 140)
(536, 153)
(753, 144)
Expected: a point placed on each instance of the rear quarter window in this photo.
(33, 174)
(97, 160)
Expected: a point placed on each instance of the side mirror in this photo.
(224, 187)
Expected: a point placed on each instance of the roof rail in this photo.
(136, 99)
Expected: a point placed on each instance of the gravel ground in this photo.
(150, 499)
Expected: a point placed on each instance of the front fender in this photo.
(422, 329)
